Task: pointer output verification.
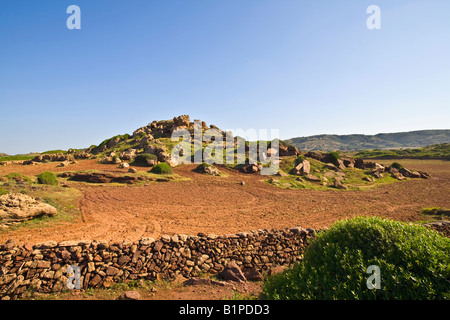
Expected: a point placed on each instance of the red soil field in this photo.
(220, 205)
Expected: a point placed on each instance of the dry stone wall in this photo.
(46, 267)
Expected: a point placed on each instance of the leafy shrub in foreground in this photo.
(413, 260)
(48, 178)
(162, 168)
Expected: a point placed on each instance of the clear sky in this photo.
(303, 67)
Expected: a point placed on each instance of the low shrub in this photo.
(201, 167)
(413, 261)
(48, 178)
(333, 157)
(299, 160)
(397, 165)
(162, 168)
(144, 158)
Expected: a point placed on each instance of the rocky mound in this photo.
(207, 169)
(377, 169)
(16, 208)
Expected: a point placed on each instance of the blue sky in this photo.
(303, 67)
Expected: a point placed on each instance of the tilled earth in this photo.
(222, 205)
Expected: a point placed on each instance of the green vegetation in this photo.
(397, 165)
(48, 178)
(333, 157)
(162, 168)
(437, 151)
(54, 152)
(413, 261)
(202, 166)
(18, 177)
(143, 158)
(17, 158)
(63, 199)
(436, 211)
(299, 160)
(3, 191)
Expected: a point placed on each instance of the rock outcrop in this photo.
(16, 208)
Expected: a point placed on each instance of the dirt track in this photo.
(221, 205)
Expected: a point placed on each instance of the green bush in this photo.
(299, 160)
(143, 158)
(48, 178)
(333, 157)
(162, 168)
(413, 260)
(202, 166)
(397, 165)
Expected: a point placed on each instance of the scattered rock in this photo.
(253, 275)
(339, 185)
(124, 165)
(276, 270)
(232, 272)
(312, 178)
(130, 295)
(398, 176)
(251, 168)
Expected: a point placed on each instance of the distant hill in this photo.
(437, 151)
(3, 154)
(356, 142)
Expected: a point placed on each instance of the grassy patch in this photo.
(436, 211)
(3, 191)
(54, 152)
(17, 158)
(63, 199)
(18, 177)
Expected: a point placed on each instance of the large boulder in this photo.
(16, 208)
(129, 154)
(251, 168)
(232, 272)
(182, 121)
(303, 168)
(208, 169)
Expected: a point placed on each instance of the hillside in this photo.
(437, 151)
(354, 142)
